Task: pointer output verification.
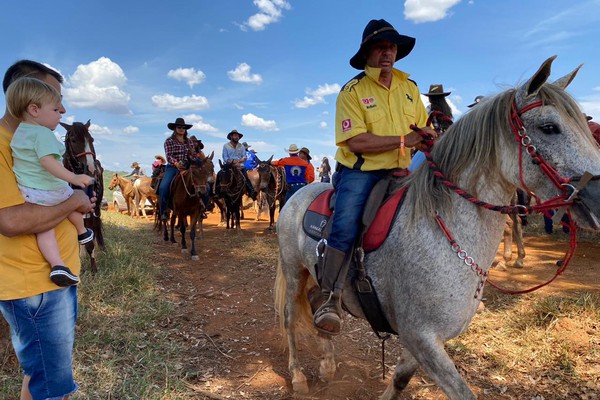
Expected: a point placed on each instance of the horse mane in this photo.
(470, 147)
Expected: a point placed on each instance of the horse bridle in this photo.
(565, 200)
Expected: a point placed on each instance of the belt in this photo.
(296, 184)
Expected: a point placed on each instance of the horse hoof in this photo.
(300, 387)
(195, 258)
(184, 251)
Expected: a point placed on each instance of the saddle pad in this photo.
(380, 227)
(317, 215)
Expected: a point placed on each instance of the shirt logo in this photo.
(346, 125)
(368, 101)
(409, 98)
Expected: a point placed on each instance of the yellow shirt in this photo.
(23, 270)
(365, 105)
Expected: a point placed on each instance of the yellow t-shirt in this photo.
(23, 270)
(365, 105)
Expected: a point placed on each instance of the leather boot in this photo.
(328, 317)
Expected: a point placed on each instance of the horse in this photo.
(430, 272)
(232, 188)
(126, 187)
(187, 190)
(272, 186)
(80, 158)
(513, 231)
(143, 190)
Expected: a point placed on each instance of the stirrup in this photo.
(331, 310)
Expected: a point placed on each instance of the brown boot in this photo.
(328, 317)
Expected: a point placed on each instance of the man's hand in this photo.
(85, 204)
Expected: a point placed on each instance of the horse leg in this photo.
(193, 237)
(517, 234)
(165, 230)
(432, 357)
(90, 249)
(272, 218)
(507, 242)
(405, 369)
(182, 220)
(173, 220)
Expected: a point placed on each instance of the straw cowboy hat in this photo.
(161, 158)
(381, 30)
(134, 165)
(178, 122)
(232, 132)
(293, 149)
(476, 101)
(307, 152)
(436, 89)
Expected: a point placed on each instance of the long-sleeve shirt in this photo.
(176, 151)
(296, 169)
(233, 153)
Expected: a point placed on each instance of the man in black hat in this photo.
(235, 153)
(374, 112)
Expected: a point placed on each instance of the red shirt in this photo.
(595, 128)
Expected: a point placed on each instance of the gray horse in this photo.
(429, 289)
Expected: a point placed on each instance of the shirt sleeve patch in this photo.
(346, 125)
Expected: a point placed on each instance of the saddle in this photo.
(382, 205)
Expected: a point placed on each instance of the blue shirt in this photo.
(233, 153)
(251, 161)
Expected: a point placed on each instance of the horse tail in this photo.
(303, 312)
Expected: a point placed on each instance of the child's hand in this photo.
(82, 180)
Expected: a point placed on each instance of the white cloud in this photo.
(98, 85)
(199, 124)
(131, 130)
(170, 102)
(323, 125)
(253, 121)
(100, 130)
(317, 96)
(270, 11)
(427, 10)
(188, 75)
(242, 74)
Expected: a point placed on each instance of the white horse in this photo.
(429, 289)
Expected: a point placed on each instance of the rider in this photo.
(137, 171)
(437, 100)
(179, 152)
(305, 155)
(235, 153)
(297, 171)
(251, 160)
(374, 114)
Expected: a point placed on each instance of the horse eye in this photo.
(550, 129)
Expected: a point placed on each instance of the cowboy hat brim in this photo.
(241, 135)
(436, 94)
(405, 45)
(173, 125)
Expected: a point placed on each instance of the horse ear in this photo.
(257, 159)
(87, 124)
(534, 84)
(66, 126)
(220, 164)
(567, 79)
(211, 155)
(270, 159)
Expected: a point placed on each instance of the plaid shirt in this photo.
(176, 151)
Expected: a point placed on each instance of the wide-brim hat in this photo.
(436, 90)
(381, 30)
(241, 135)
(293, 149)
(246, 145)
(306, 151)
(476, 101)
(134, 165)
(178, 122)
(159, 157)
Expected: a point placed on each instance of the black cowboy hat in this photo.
(436, 89)
(232, 132)
(381, 30)
(307, 152)
(587, 117)
(178, 122)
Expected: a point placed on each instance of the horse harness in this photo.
(569, 195)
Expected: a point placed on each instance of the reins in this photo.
(565, 200)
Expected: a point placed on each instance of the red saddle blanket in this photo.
(319, 211)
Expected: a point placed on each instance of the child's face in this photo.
(49, 115)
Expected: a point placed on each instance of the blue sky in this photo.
(272, 68)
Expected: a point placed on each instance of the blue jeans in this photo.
(293, 188)
(164, 190)
(42, 329)
(352, 188)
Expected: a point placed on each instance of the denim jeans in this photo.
(352, 188)
(164, 190)
(293, 188)
(42, 330)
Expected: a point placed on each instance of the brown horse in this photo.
(187, 190)
(80, 157)
(272, 186)
(126, 188)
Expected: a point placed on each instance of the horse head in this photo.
(80, 155)
(264, 173)
(114, 182)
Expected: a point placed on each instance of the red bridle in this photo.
(564, 200)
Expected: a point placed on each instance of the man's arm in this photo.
(29, 218)
(370, 143)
